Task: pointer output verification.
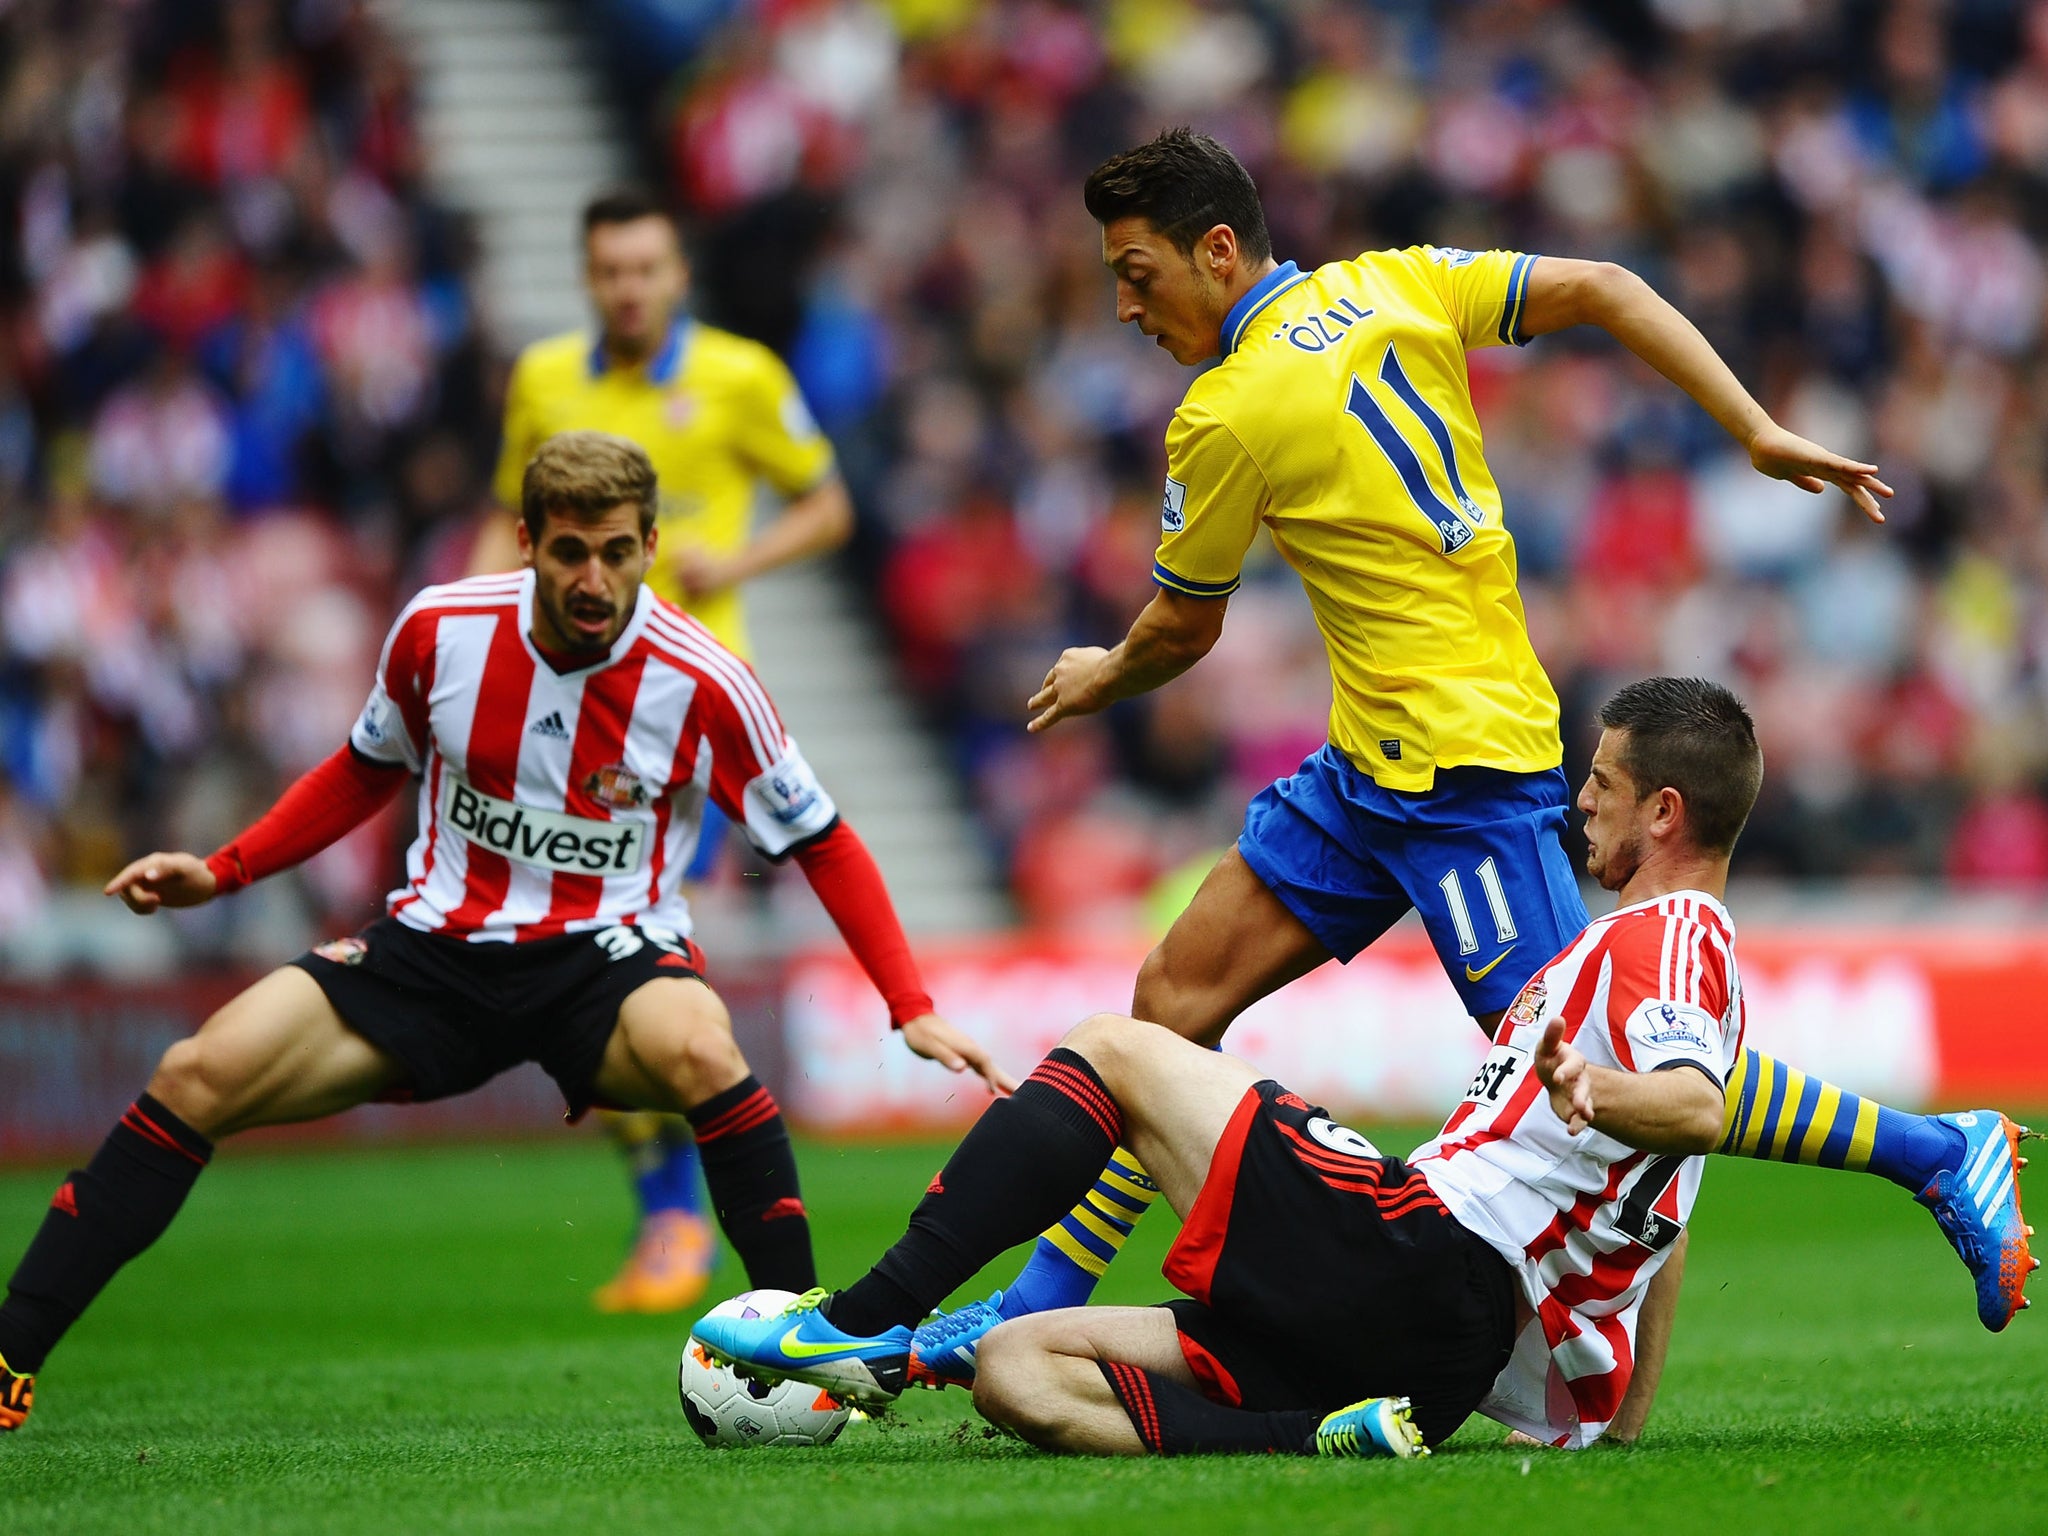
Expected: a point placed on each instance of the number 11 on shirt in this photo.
(1452, 529)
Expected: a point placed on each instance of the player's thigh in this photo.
(1146, 1337)
(1176, 1097)
(275, 1054)
(1235, 943)
(671, 1049)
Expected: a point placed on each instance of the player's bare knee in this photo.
(1094, 1034)
(707, 1059)
(1012, 1387)
(190, 1085)
(995, 1397)
(1099, 1040)
(1121, 1049)
(678, 1035)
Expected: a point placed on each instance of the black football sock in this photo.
(1020, 1169)
(1174, 1420)
(751, 1169)
(103, 1215)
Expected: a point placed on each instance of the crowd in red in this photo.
(1848, 197)
(242, 386)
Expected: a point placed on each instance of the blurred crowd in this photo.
(1850, 199)
(245, 391)
(242, 388)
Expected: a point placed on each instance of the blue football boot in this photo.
(1977, 1205)
(1379, 1426)
(800, 1344)
(942, 1346)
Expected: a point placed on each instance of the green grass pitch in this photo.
(401, 1341)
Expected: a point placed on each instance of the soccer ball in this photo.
(726, 1408)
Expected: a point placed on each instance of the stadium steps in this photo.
(515, 115)
(834, 685)
(521, 130)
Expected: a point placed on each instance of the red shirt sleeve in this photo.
(323, 806)
(844, 874)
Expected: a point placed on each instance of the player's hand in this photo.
(1069, 688)
(702, 573)
(1566, 1073)
(935, 1040)
(164, 880)
(1786, 455)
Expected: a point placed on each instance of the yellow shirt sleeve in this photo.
(779, 439)
(1484, 291)
(1215, 495)
(517, 445)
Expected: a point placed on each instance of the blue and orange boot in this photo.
(1977, 1206)
(942, 1347)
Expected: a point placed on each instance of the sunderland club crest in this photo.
(618, 787)
(1529, 1004)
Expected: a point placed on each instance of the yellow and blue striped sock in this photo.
(1778, 1113)
(1076, 1252)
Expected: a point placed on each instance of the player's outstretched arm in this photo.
(1563, 292)
(322, 806)
(164, 880)
(934, 1039)
(1653, 1344)
(1173, 633)
(1678, 1110)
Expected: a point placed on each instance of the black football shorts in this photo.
(455, 1014)
(1322, 1272)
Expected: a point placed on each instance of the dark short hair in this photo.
(1184, 184)
(1688, 734)
(624, 204)
(582, 476)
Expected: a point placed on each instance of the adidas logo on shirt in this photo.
(549, 726)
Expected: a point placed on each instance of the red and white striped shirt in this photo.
(1585, 1220)
(552, 802)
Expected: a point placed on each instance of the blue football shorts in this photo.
(1479, 855)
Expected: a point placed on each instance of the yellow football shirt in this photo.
(1341, 418)
(716, 413)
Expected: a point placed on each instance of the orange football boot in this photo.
(17, 1396)
(669, 1268)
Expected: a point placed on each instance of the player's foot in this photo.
(800, 1344)
(1977, 1205)
(17, 1396)
(669, 1268)
(942, 1346)
(1379, 1426)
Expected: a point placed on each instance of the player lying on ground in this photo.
(1340, 420)
(1502, 1267)
(566, 726)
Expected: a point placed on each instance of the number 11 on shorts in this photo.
(1461, 914)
